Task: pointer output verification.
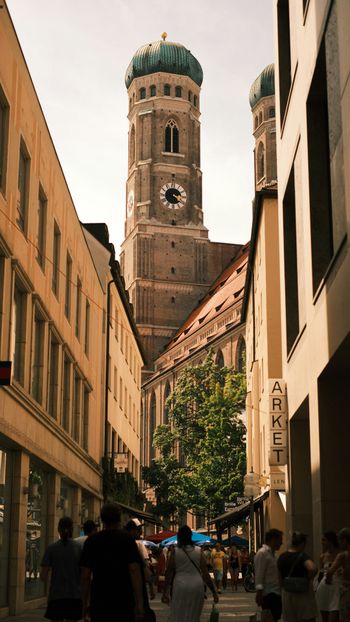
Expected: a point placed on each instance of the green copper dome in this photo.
(165, 56)
(263, 86)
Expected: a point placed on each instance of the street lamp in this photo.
(251, 490)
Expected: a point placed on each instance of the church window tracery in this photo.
(219, 359)
(153, 90)
(132, 145)
(167, 89)
(178, 91)
(261, 161)
(171, 137)
(241, 355)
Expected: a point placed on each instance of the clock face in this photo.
(130, 203)
(173, 195)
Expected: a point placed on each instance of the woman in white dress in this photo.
(327, 595)
(186, 571)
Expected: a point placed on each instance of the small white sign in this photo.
(121, 462)
(277, 481)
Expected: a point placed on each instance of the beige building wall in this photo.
(313, 146)
(51, 322)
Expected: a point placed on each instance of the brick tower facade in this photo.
(167, 259)
(262, 103)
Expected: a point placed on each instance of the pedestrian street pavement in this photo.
(233, 606)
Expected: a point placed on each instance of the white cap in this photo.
(136, 522)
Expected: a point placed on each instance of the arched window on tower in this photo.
(219, 359)
(260, 118)
(171, 137)
(152, 424)
(153, 90)
(272, 113)
(132, 146)
(195, 101)
(241, 355)
(178, 91)
(167, 89)
(260, 161)
(143, 93)
(167, 392)
(189, 96)
(256, 122)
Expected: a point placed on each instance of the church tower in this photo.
(262, 103)
(166, 259)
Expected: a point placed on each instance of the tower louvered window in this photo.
(171, 137)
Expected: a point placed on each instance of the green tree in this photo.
(201, 460)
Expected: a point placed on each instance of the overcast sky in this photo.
(77, 52)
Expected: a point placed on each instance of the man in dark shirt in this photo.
(111, 577)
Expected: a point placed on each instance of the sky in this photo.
(77, 52)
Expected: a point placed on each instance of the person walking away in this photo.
(111, 573)
(327, 595)
(217, 562)
(89, 527)
(62, 559)
(134, 528)
(186, 571)
(297, 571)
(244, 561)
(342, 564)
(268, 591)
(234, 561)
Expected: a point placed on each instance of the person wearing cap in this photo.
(134, 528)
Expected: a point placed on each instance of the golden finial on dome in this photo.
(164, 35)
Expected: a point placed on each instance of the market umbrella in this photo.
(159, 537)
(149, 544)
(197, 538)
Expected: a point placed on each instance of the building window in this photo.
(120, 392)
(325, 155)
(87, 328)
(284, 58)
(178, 91)
(172, 270)
(66, 393)
(53, 377)
(115, 384)
(56, 252)
(152, 423)
(116, 327)
(173, 245)
(153, 90)
(167, 89)
(23, 186)
(260, 161)
(4, 123)
(171, 137)
(132, 146)
(19, 336)
(290, 263)
(68, 292)
(41, 229)
(195, 100)
(260, 118)
(166, 406)
(78, 309)
(256, 122)
(77, 407)
(86, 419)
(143, 93)
(38, 357)
(173, 299)
(272, 113)
(189, 96)
(241, 355)
(219, 359)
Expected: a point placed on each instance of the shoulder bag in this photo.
(295, 585)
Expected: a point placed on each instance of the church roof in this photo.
(263, 86)
(164, 56)
(226, 291)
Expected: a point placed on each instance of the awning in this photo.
(237, 514)
(135, 513)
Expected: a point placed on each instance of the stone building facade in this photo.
(313, 146)
(167, 259)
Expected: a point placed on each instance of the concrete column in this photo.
(17, 549)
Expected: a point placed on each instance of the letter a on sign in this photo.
(277, 386)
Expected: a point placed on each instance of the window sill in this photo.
(295, 344)
(331, 265)
(171, 153)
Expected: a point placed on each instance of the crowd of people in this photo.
(103, 572)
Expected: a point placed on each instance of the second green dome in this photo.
(164, 56)
(263, 86)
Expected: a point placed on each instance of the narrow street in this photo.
(233, 606)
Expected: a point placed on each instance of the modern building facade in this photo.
(167, 259)
(313, 155)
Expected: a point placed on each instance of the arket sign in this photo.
(278, 422)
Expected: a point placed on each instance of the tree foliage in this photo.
(201, 453)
